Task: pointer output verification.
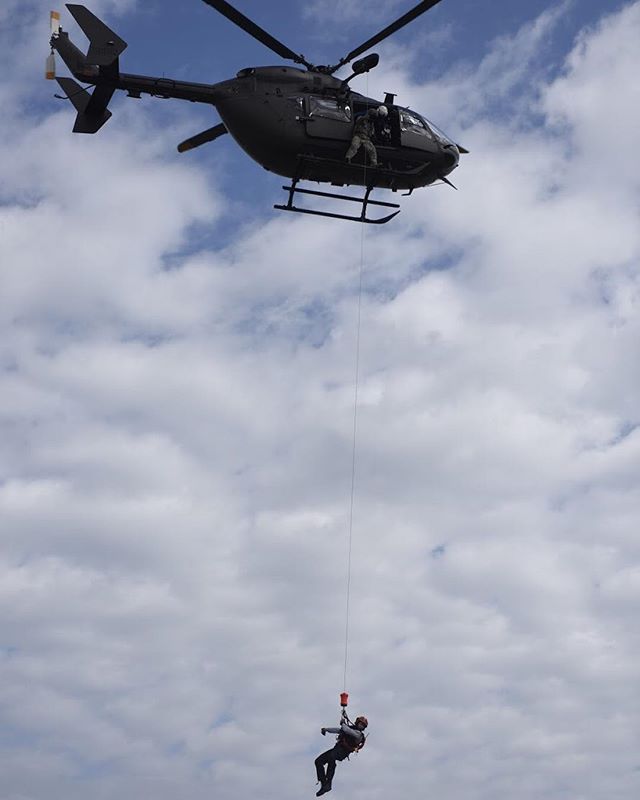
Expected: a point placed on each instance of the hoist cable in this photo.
(354, 439)
(353, 460)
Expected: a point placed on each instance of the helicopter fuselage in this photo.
(280, 115)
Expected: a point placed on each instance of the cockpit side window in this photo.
(410, 122)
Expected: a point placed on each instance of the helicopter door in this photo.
(387, 129)
(328, 119)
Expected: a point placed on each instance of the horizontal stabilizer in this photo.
(202, 138)
(105, 46)
(79, 97)
(92, 109)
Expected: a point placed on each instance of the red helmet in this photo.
(363, 721)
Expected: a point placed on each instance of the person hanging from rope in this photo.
(351, 739)
(363, 130)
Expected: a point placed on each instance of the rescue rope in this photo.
(354, 440)
(353, 459)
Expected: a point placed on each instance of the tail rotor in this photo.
(50, 67)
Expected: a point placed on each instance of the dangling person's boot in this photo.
(326, 787)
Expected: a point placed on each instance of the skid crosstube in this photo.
(364, 201)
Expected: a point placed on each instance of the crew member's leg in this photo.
(353, 148)
(370, 151)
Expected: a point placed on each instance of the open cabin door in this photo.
(386, 129)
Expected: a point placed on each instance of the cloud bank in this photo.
(176, 441)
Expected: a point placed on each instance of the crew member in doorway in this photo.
(363, 130)
(350, 740)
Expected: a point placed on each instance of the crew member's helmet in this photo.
(361, 722)
(382, 112)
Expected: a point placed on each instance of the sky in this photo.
(177, 376)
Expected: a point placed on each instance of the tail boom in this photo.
(100, 68)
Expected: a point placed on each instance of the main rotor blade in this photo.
(233, 15)
(395, 26)
(210, 135)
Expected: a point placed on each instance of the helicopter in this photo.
(296, 121)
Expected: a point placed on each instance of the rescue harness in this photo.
(347, 741)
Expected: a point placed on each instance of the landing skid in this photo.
(364, 201)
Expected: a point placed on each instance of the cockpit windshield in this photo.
(439, 134)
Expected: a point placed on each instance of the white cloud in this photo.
(175, 462)
(598, 105)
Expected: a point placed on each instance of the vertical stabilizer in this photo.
(105, 46)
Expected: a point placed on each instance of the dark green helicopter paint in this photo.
(294, 121)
